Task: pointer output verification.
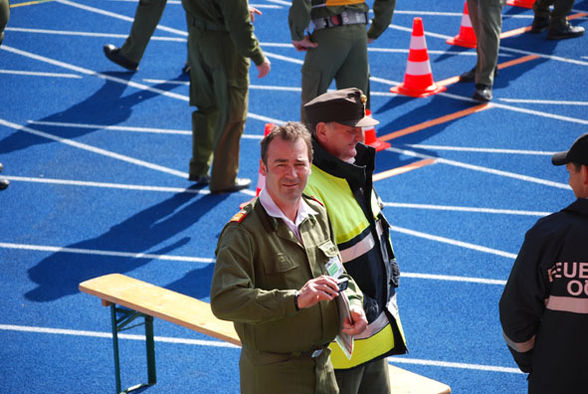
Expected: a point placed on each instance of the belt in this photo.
(204, 25)
(347, 17)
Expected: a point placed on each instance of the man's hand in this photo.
(264, 68)
(316, 290)
(358, 323)
(304, 44)
(252, 12)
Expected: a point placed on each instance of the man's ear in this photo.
(262, 169)
(321, 131)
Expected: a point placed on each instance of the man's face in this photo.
(577, 180)
(338, 139)
(287, 170)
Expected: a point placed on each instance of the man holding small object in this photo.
(276, 277)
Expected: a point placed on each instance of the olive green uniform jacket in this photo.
(4, 15)
(220, 43)
(259, 266)
(342, 50)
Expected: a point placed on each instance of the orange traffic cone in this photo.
(521, 3)
(370, 136)
(466, 37)
(260, 178)
(418, 78)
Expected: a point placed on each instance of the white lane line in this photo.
(282, 2)
(483, 169)
(466, 209)
(204, 260)
(284, 58)
(40, 74)
(222, 344)
(86, 71)
(88, 34)
(110, 127)
(402, 28)
(447, 364)
(107, 185)
(128, 128)
(502, 48)
(549, 102)
(493, 104)
(430, 51)
(93, 149)
(165, 189)
(121, 81)
(453, 242)
(99, 334)
(481, 150)
(452, 278)
(178, 2)
(111, 253)
(401, 151)
(118, 16)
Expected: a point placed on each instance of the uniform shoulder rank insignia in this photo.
(239, 216)
(317, 200)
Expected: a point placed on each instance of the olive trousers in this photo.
(486, 17)
(219, 81)
(147, 17)
(341, 55)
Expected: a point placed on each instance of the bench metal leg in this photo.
(121, 324)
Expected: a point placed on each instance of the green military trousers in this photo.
(370, 378)
(486, 17)
(147, 17)
(561, 9)
(4, 15)
(219, 79)
(270, 373)
(341, 55)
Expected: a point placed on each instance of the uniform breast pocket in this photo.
(282, 272)
(330, 259)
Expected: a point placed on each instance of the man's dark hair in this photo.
(291, 131)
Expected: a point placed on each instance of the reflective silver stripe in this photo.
(363, 246)
(374, 327)
(521, 347)
(381, 322)
(567, 304)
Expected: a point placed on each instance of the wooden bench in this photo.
(130, 299)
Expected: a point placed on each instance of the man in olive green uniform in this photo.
(4, 15)
(220, 43)
(146, 19)
(337, 46)
(276, 277)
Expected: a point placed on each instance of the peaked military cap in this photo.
(345, 106)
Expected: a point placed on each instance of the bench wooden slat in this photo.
(406, 382)
(161, 303)
(196, 315)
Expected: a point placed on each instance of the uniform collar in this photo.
(272, 209)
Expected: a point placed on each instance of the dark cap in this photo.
(578, 153)
(345, 106)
